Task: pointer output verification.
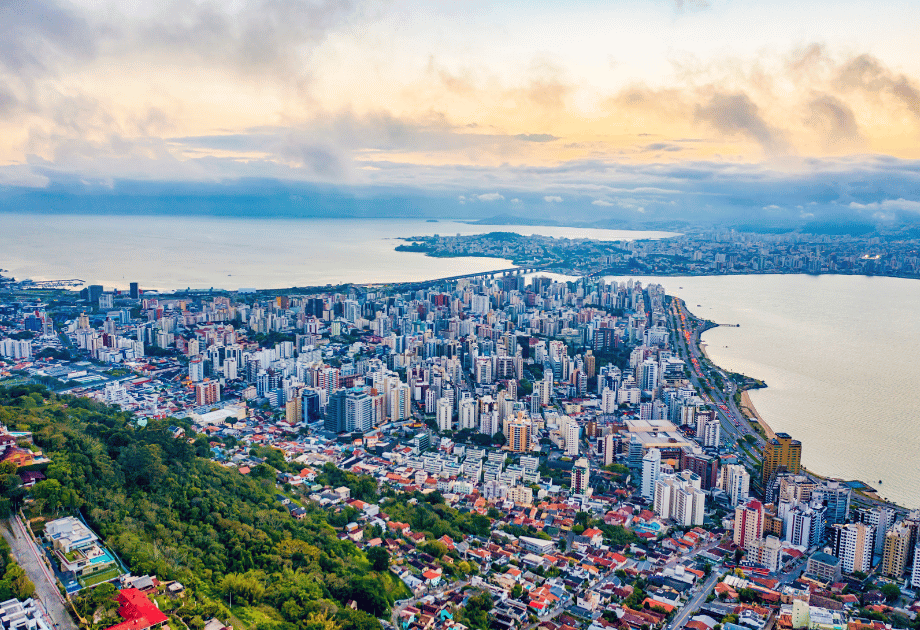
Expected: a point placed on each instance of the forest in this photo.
(168, 510)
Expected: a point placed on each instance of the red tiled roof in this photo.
(138, 611)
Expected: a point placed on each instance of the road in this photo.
(694, 604)
(735, 425)
(46, 589)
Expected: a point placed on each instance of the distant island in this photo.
(711, 252)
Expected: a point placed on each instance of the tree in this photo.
(435, 548)
(370, 595)
(349, 619)
(891, 592)
(379, 559)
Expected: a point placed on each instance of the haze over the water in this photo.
(755, 113)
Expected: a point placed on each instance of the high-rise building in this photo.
(853, 544)
(546, 387)
(781, 453)
(207, 393)
(519, 436)
(196, 370)
(570, 433)
(706, 466)
(679, 498)
(915, 573)
(488, 422)
(400, 403)
(607, 448)
(310, 405)
(635, 453)
(335, 412)
(580, 475)
(135, 291)
(711, 433)
(736, 482)
(881, 519)
(766, 552)
(749, 520)
(445, 414)
(359, 411)
(483, 370)
(804, 525)
(293, 410)
(835, 495)
(651, 470)
(895, 552)
(468, 408)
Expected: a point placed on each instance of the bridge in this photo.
(512, 271)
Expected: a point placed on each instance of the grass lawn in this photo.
(98, 578)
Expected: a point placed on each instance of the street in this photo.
(46, 589)
(694, 604)
(735, 425)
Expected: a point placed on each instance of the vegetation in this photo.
(14, 583)
(437, 519)
(168, 510)
(476, 612)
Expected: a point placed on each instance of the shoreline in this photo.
(748, 405)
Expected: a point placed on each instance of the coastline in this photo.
(753, 417)
(748, 406)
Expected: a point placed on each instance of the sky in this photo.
(627, 109)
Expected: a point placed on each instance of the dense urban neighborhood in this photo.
(499, 451)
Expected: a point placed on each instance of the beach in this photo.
(748, 407)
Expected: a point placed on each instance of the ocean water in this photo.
(203, 252)
(840, 357)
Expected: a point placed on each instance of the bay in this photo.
(168, 252)
(840, 357)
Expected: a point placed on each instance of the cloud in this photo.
(250, 38)
(490, 197)
(601, 202)
(889, 204)
(662, 146)
(834, 121)
(515, 200)
(535, 137)
(552, 199)
(737, 113)
(39, 36)
(868, 73)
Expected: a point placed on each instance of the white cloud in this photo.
(490, 197)
(601, 202)
(515, 200)
(552, 199)
(772, 206)
(889, 204)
